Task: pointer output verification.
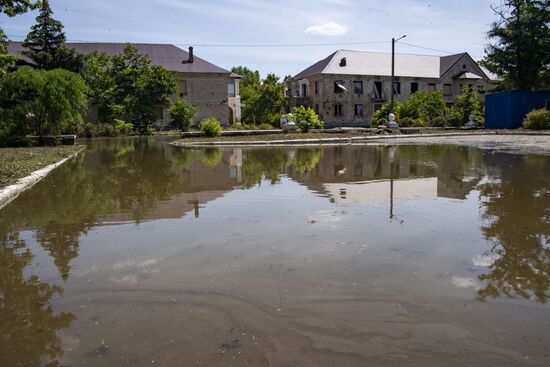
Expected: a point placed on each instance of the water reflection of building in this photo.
(368, 174)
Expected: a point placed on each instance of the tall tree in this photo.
(521, 53)
(45, 43)
(11, 8)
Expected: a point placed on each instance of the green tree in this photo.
(96, 71)
(249, 90)
(307, 119)
(466, 104)
(422, 106)
(138, 88)
(267, 106)
(11, 8)
(521, 53)
(45, 38)
(42, 102)
(182, 115)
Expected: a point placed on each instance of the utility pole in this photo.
(393, 41)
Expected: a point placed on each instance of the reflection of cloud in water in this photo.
(463, 282)
(485, 260)
(139, 268)
(127, 279)
(133, 264)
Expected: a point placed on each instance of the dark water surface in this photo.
(137, 254)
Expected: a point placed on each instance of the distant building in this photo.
(347, 87)
(210, 88)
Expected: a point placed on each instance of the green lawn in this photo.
(16, 163)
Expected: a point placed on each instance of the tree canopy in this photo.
(521, 53)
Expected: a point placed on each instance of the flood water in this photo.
(137, 253)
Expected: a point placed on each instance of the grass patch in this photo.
(16, 163)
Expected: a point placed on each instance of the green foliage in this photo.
(210, 127)
(127, 87)
(537, 120)
(45, 44)
(88, 130)
(307, 119)
(384, 112)
(466, 104)
(11, 8)
(262, 101)
(521, 53)
(123, 127)
(40, 102)
(410, 122)
(182, 115)
(438, 121)
(264, 126)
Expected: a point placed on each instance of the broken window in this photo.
(338, 110)
(414, 87)
(377, 90)
(397, 87)
(339, 86)
(304, 90)
(358, 110)
(358, 87)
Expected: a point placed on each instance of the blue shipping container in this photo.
(506, 110)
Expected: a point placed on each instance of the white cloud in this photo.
(328, 29)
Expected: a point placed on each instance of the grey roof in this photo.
(168, 56)
(379, 64)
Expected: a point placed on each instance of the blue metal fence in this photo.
(506, 110)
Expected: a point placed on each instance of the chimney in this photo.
(191, 57)
(343, 62)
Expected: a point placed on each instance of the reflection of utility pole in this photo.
(391, 155)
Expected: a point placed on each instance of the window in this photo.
(480, 89)
(316, 87)
(231, 89)
(338, 110)
(397, 87)
(339, 86)
(414, 87)
(182, 87)
(447, 89)
(358, 110)
(304, 90)
(377, 106)
(377, 90)
(431, 87)
(358, 87)
(317, 109)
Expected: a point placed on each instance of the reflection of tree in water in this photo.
(211, 156)
(517, 221)
(28, 323)
(270, 163)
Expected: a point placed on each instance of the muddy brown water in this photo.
(137, 253)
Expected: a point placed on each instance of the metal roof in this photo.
(168, 56)
(379, 64)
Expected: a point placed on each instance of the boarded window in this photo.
(414, 87)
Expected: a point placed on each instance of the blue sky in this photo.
(450, 26)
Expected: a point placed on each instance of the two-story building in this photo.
(347, 87)
(210, 88)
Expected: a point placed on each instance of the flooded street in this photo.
(137, 253)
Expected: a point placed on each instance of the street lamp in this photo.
(393, 41)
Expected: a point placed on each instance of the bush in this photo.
(467, 104)
(182, 115)
(410, 122)
(123, 128)
(438, 122)
(384, 112)
(210, 127)
(307, 119)
(89, 130)
(108, 130)
(537, 120)
(380, 121)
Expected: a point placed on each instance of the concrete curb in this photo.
(9, 193)
(350, 140)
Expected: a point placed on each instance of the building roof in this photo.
(379, 64)
(168, 56)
